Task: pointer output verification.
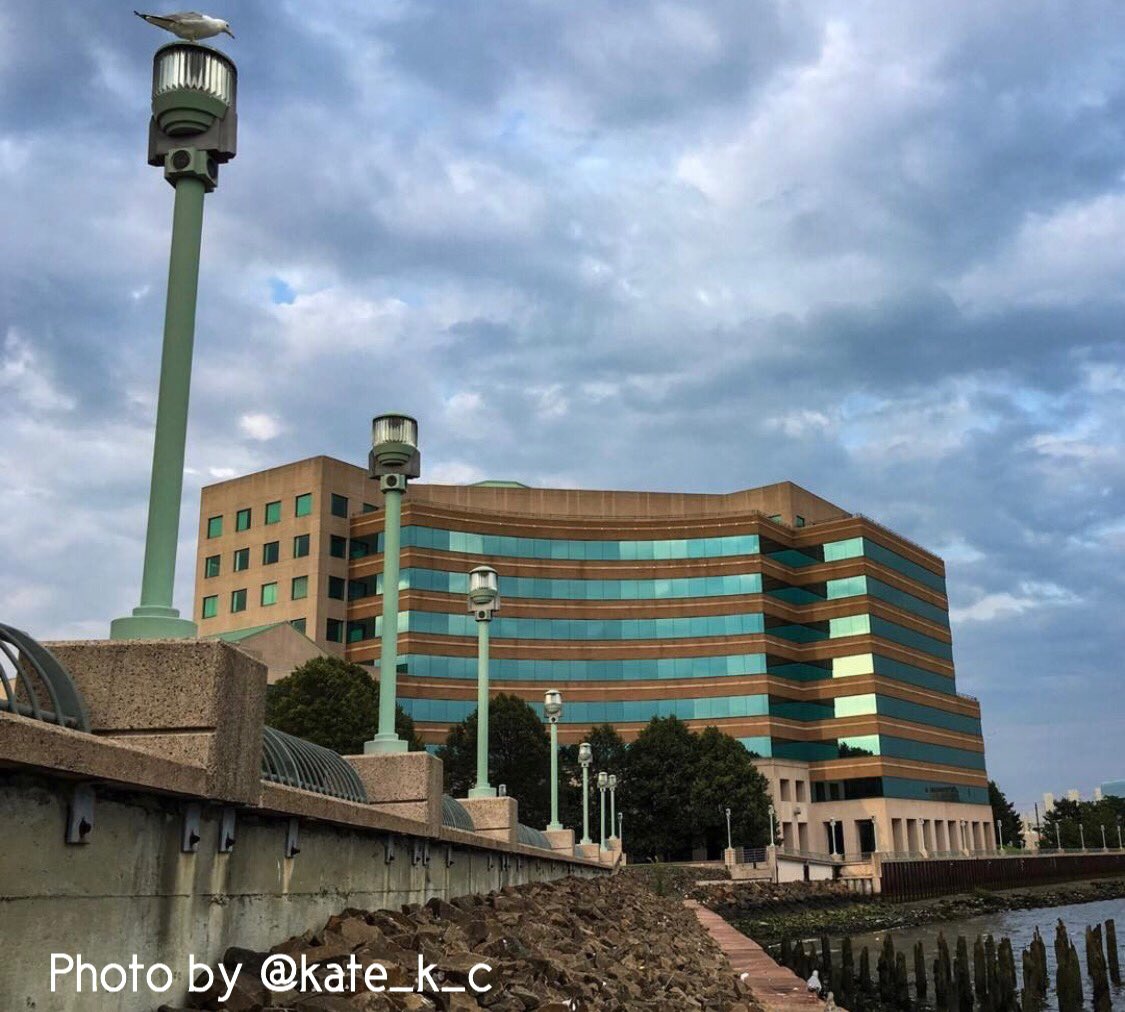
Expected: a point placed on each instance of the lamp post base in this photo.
(151, 622)
(554, 827)
(482, 792)
(384, 744)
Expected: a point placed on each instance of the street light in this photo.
(394, 459)
(484, 599)
(193, 130)
(585, 757)
(553, 708)
(730, 845)
(773, 832)
(1000, 832)
(603, 783)
(1058, 835)
(831, 837)
(621, 830)
(612, 805)
(965, 836)
(1082, 835)
(1104, 847)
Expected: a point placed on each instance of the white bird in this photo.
(188, 25)
(813, 983)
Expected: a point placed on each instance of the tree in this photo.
(332, 703)
(1004, 812)
(1062, 822)
(725, 777)
(659, 778)
(519, 756)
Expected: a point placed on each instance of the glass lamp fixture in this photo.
(585, 754)
(192, 86)
(394, 440)
(484, 588)
(603, 780)
(612, 781)
(552, 704)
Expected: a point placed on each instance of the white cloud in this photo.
(1031, 595)
(453, 472)
(25, 379)
(260, 426)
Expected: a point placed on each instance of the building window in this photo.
(211, 566)
(799, 521)
(241, 559)
(298, 624)
(303, 504)
(334, 632)
(273, 512)
(237, 601)
(776, 518)
(242, 520)
(269, 594)
(300, 588)
(214, 526)
(338, 547)
(300, 546)
(211, 606)
(271, 552)
(337, 585)
(369, 507)
(339, 505)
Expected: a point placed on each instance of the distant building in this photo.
(1114, 788)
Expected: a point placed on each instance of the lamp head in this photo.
(603, 779)
(484, 592)
(552, 705)
(585, 754)
(612, 781)
(394, 446)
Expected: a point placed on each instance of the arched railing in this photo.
(34, 684)
(532, 837)
(298, 763)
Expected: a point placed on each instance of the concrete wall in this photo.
(131, 890)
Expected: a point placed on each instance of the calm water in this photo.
(1018, 926)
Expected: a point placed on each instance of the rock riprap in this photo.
(567, 946)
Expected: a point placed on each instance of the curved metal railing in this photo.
(34, 684)
(295, 762)
(532, 837)
(454, 814)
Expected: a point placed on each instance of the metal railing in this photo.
(454, 814)
(34, 684)
(532, 837)
(295, 762)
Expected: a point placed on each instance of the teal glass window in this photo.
(273, 512)
(302, 505)
(298, 624)
(337, 587)
(210, 606)
(339, 505)
(338, 547)
(237, 601)
(369, 508)
(214, 526)
(300, 546)
(334, 632)
(908, 637)
(269, 594)
(241, 559)
(242, 520)
(211, 566)
(299, 588)
(271, 552)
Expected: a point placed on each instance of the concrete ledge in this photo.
(406, 784)
(588, 852)
(497, 818)
(561, 839)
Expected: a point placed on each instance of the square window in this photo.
(799, 521)
(242, 520)
(336, 587)
(300, 546)
(214, 526)
(211, 606)
(241, 559)
(211, 566)
(273, 512)
(369, 508)
(298, 624)
(339, 505)
(271, 552)
(338, 547)
(269, 594)
(300, 588)
(334, 631)
(302, 505)
(237, 601)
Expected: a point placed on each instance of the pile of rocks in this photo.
(575, 944)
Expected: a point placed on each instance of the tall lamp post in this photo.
(603, 783)
(484, 599)
(394, 459)
(585, 757)
(552, 707)
(1000, 832)
(621, 829)
(613, 806)
(192, 132)
(773, 832)
(730, 845)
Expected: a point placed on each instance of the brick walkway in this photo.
(776, 988)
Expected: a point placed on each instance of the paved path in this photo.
(776, 988)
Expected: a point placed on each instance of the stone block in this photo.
(730, 856)
(589, 851)
(198, 702)
(496, 818)
(561, 839)
(406, 784)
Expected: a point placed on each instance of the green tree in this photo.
(1004, 812)
(519, 756)
(658, 781)
(1062, 822)
(333, 703)
(725, 777)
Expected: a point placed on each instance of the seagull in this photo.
(813, 983)
(188, 25)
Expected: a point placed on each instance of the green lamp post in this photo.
(484, 599)
(394, 459)
(553, 708)
(585, 757)
(603, 783)
(613, 806)
(192, 132)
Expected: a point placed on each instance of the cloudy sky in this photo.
(874, 248)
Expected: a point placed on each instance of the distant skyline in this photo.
(877, 250)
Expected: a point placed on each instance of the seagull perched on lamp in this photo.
(188, 25)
